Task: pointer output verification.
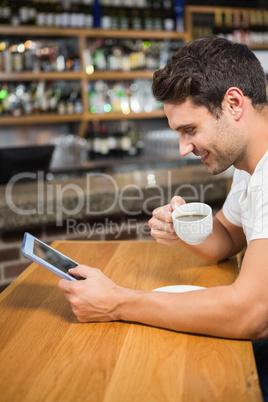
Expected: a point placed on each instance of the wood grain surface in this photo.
(47, 355)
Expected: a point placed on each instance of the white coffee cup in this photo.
(193, 222)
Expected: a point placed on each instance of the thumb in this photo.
(176, 202)
(81, 270)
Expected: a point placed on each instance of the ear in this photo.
(234, 101)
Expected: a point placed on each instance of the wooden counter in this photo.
(47, 355)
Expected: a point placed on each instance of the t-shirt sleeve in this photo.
(247, 204)
(231, 207)
(255, 210)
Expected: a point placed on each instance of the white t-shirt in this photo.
(247, 203)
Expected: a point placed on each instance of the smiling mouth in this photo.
(203, 156)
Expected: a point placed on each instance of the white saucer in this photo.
(178, 288)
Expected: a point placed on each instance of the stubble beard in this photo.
(228, 152)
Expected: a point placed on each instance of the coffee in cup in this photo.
(193, 222)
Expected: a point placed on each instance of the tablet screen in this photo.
(52, 257)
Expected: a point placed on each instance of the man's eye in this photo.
(189, 130)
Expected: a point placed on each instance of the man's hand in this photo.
(93, 299)
(161, 223)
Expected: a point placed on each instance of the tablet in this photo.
(48, 257)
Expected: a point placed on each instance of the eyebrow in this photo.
(183, 126)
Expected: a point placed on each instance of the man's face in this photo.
(218, 142)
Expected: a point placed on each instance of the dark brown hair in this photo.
(205, 68)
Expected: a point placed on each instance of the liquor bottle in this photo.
(139, 142)
(126, 56)
(2, 62)
(136, 19)
(99, 56)
(168, 13)
(51, 14)
(14, 16)
(179, 12)
(36, 100)
(148, 19)
(118, 136)
(75, 19)
(132, 137)
(59, 22)
(4, 99)
(5, 12)
(228, 19)
(114, 19)
(62, 102)
(88, 13)
(27, 101)
(164, 53)
(88, 138)
(44, 102)
(245, 27)
(124, 19)
(66, 15)
(1, 13)
(125, 141)
(156, 14)
(115, 56)
(106, 18)
(17, 61)
(78, 105)
(16, 108)
(53, 101)
(31, 13)
(41, 15)
(7, 60)
(69, 104)
(96, 143)
(97, 13)
(104, 144)
(112, 142)
(24, 13)
(237, 31)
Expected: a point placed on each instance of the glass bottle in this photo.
(96, 154)
(104, 144)
(5, 12)
(112, 143)
(97, 13)
(125, 139)
(88, 13)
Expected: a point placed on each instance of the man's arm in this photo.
(225, 240)
(236, 311)
(239, 310)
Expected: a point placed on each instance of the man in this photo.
(214, 96)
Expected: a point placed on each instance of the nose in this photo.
(186, 146)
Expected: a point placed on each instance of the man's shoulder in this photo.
(263, 163)
(261, 166)
(241, 175)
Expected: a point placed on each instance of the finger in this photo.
(176, 202)
(161, 226)
(64, 285)
(163, 213)
(81, 270)
(163, 233)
